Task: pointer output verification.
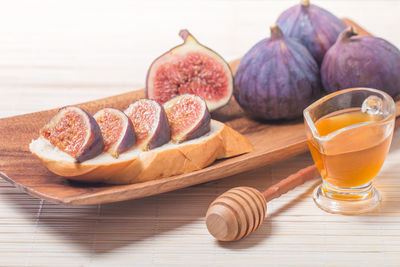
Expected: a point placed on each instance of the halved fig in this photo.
(188, 117)
(117, 130)
(76, 132)
(150, 123)
(190, 68)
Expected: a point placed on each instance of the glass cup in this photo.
(349, 134)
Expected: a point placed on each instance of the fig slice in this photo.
(188, 117)
(150, 123)
(116, 129)
(190, 68)
(76, 132)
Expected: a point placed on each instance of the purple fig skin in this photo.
(95, 144)
(162, 133)
(202, 128)
(277, 78)
(203, 123)
(316, 28)
(129, 138)
(361, 61)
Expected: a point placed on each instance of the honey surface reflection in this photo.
(353, 157)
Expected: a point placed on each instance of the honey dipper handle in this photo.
(290, 183)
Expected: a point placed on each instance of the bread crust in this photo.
(168, 160)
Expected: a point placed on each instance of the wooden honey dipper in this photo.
(241, 210)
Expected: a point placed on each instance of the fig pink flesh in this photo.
(188, 117)
(193, 73)
(68, 134)
(144, 118)
(150, 123)
(75, 132)
(183, 115)
(111, 127)
(116, 129)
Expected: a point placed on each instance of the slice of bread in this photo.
(137, 166)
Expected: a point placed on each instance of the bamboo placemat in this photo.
(169, 229)
(59, 53)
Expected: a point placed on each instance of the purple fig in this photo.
(316, 28)
(277, 78)
(117, 130)
(190, 68)
(361, 61)
(188, 117)
(76, 132)
(150, 123)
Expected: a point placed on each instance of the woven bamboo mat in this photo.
(59, 53)
(169, 229)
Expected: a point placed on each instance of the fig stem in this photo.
(184, 34)
(276, 32)
(305, 2)
(347, 33)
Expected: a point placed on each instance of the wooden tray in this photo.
(272, 142)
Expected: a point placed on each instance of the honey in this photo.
(351, 157)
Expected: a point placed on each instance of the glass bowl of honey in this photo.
(349, 134)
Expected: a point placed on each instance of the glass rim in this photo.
(311, 124)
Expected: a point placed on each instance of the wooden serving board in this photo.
(272, 142)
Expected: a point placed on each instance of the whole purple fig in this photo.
(277, 78)
(315, 27)
(361, 61)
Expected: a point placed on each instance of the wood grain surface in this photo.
(55, 53)
(272, 142)
(21, 168)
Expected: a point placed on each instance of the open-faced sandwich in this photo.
(147, 141)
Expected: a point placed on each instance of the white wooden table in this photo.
(55, 53)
